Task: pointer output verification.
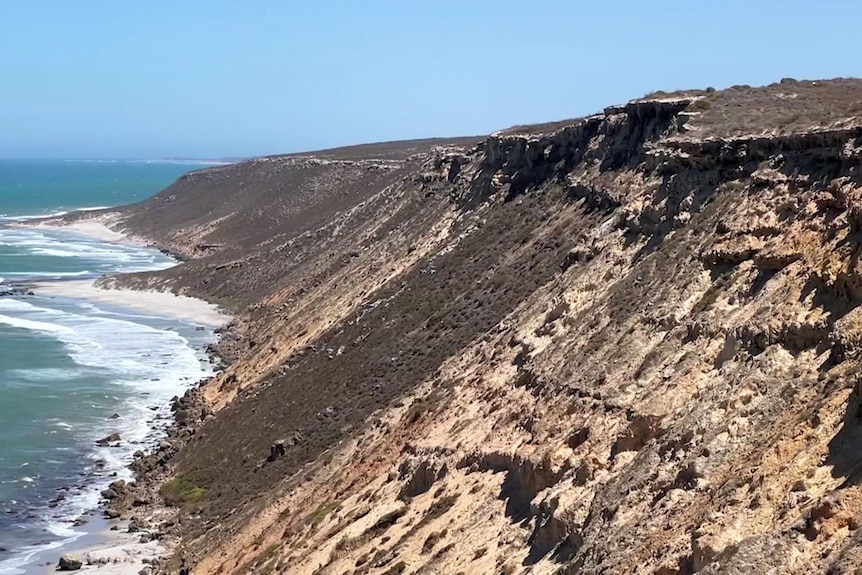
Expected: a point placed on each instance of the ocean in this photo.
(74, 371)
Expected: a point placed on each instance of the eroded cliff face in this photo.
(629, 344)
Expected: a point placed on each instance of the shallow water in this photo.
(73, 371)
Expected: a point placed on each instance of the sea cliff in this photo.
(622, 343)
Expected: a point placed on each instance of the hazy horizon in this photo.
(209, 80)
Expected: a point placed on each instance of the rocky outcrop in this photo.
(69, 563)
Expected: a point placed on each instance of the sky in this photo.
(220, 78)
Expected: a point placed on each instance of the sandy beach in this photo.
(150, 302)
(153, 302)
(97, 227)
(103, 551)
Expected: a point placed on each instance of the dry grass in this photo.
(787, 106)
(784, 107)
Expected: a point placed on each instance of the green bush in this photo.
(180, 491)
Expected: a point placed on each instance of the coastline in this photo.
(110, 546)
(154, 302)
(107, 548)
(97, 227)
(165, 304)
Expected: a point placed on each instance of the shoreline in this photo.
(107, 548)
(97, 227)
(151, 302)
(157, 303)
(105, 545)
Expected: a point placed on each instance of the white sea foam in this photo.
(139, 355)
(54, 214)
(49, 275)
(58, 243)
(148, 365)
(52, 374)
(26, 217)
(14, 565)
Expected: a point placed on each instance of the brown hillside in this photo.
(621, 344)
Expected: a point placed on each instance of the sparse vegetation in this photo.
(264, 562)
(700, 105)
(432, 540)
(319, 514)
(783, 107)
(387, 521)
(438, 508)
(362, 560)
(180, 491)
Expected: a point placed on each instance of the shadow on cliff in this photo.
(845, 449)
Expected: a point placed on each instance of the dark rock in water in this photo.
(79, 522)
(113, 438)
(114, 528)
(69, 563)
(115, 416)
(14, 291)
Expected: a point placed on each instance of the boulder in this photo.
(69, 563)
(137, 525)
(113, 438)
(276, 450)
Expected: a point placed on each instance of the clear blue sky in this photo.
(154, 78)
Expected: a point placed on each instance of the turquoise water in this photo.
(73, 371)
(41, 187)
